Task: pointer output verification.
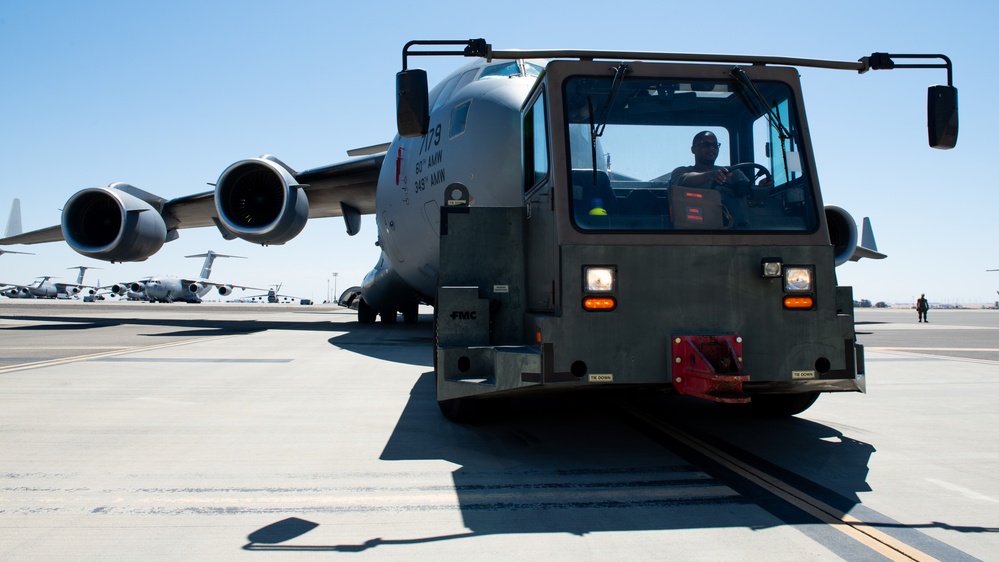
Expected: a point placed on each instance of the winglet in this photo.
(14, 220)
(867, 248)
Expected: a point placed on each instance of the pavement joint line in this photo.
(90, 356)
(901, 351)
(854, 528)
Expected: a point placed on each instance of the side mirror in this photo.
(412, 106)
(941, 116)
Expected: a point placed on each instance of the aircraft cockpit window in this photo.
(640, 150)
(533, 70)
(503, 70)
(443, 94)
(459, 117)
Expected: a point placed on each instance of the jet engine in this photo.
(195, 288)
(842, 233)
(225, 290)
(109, 224)
(260, 201)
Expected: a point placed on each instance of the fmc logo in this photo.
(463, 315)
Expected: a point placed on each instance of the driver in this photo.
(704, 173)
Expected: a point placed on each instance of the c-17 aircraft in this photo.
(547, 267)
(273, 297)
(45, 289)
(167, 288)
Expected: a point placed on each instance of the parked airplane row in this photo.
(161, 288)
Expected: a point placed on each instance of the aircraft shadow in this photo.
(389, 342)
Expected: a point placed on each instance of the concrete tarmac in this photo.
(218, 432)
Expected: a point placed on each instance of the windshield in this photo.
(654, 155)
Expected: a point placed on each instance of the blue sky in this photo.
(165, 95)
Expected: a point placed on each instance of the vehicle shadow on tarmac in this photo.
(577, 465)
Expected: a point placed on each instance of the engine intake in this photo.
(106, 223)
(260, 201)
(842, 233)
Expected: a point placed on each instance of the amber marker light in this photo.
(599, 303)
(799, 303)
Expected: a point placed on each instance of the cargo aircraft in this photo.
(265, 201)
(168, 288)
(530, 198)
(43, 288)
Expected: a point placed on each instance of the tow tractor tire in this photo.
(781, 405)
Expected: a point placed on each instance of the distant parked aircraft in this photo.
(167, 288)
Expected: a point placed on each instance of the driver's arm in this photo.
(704, 179)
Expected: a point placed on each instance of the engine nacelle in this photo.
(225, 290)
(842, 233)
(195, 288)
(260, 201)
(109, 224)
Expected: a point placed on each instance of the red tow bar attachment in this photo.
(709, 367)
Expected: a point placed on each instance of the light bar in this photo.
(599, 303)
(799, 303)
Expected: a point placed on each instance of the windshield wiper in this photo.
(785, 135)
(597, 127)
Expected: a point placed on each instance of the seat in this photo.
(585, 190)
(643, 202)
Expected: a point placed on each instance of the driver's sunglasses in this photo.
(707, 144)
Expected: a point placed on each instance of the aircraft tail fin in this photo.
(206, 269)
(83, 269)
(867, 248)
(14, 220)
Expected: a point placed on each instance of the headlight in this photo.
(797, 279)
(598, 279)
(772, 267)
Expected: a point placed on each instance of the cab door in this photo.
(540, 245)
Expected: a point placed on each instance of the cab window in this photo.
(639, 150)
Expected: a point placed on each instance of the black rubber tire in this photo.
(781, 405)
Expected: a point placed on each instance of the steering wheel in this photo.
(742, 188)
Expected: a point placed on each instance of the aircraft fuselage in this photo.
(474, 139)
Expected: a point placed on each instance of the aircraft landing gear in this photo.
(365, 314)
(411, 313)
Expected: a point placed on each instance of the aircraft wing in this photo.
(218, 284)
(867, 248)
(327, 188)
(352, 182)
(50, 234)
(862, 252)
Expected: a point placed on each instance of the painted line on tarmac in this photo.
(913, 352)
(855, 529)
(103, 354)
